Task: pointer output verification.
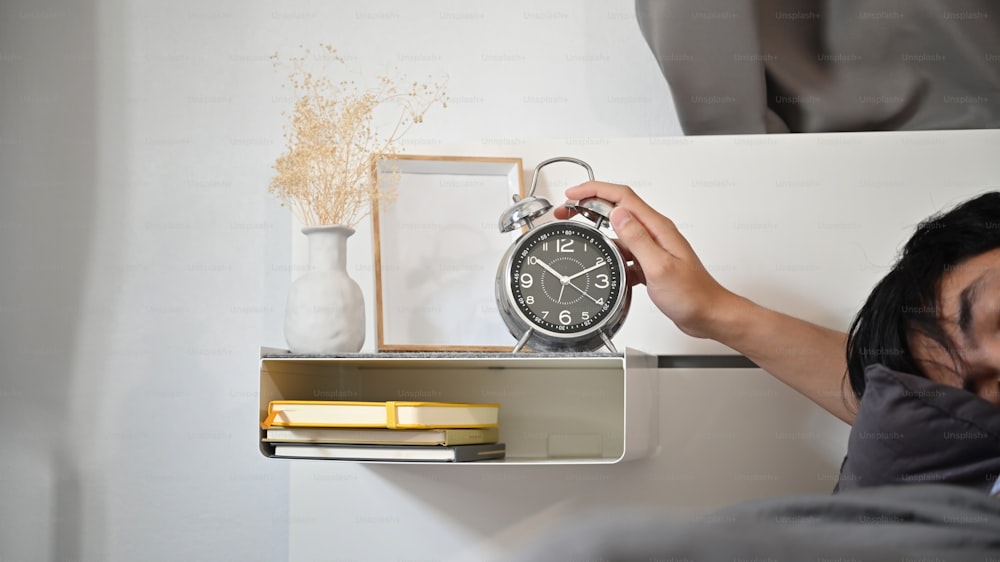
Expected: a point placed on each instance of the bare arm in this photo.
(807, 357)
(803, 355)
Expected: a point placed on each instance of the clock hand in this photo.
(546, 267)
(563, 280)
(588, 270)
(582, 292)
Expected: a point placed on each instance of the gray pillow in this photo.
(910, 429)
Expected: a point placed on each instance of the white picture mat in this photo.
(438, 247)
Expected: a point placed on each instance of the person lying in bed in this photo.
(918, 372)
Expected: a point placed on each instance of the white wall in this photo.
(144, 262)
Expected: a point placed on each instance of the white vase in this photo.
(325, 313)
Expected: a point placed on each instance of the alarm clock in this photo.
(562, 286)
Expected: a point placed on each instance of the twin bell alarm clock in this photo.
(562, 285)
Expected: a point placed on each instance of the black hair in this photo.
(905, 302)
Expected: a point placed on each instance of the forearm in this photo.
(807, 357)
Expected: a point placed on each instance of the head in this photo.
(937, 312)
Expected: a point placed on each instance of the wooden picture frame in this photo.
(437, 247)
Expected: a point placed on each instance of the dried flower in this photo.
(326, 174)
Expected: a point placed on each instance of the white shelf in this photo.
(554, 408)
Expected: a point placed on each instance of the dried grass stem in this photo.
(325, 174)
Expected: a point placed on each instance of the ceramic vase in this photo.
(325, 313)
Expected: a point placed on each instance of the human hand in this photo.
(675, 279)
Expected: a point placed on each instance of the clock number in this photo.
(602, 281)
(545, 314)
(526, 281)
(586, 315)
(565, 317)
(600, 261)
(529, 299)
(564, 245)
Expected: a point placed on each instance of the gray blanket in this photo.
(912, 522)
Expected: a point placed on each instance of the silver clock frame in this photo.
(522, 214)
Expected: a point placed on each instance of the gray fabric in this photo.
(757, 66)
(911, 429)
(919, 522)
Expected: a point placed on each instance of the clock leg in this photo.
(523, 340)
(607, 342)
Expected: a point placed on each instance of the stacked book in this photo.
(383, 431)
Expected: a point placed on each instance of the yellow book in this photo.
(391, 414)
(382, 436)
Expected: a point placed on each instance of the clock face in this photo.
(565, 278)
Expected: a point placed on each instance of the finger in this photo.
(608, 191)
(613, 192)
(660, 227)
(634, 235)
(620, 195)
(563, 212)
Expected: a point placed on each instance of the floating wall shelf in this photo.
(554, 408)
